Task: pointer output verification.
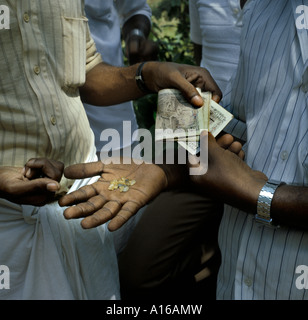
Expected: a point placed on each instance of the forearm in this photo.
(176, 174)
(108, 85)
(290, 206)
(230, 180)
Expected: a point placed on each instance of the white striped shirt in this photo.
(105, 20)
(216, 25)
(44, 57)
(269, 97)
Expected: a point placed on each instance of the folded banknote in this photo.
(177, 120)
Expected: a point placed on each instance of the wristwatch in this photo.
(265, 198)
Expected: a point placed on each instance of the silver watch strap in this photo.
(265, 198)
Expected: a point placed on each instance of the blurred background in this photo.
(170, 30)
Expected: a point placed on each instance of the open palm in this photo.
(98, 205)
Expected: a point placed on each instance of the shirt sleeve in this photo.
(93, 57)
(195, 32)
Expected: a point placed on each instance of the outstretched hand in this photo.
(98, 205)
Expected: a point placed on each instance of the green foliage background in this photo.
(170, 30)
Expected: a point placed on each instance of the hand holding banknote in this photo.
(178, 120)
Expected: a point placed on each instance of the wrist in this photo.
(176, 175)
(140, 78)
(264, 203)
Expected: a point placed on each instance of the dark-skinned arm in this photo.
(107, 85)
(135, 33)
(98, 205)
(231, 180)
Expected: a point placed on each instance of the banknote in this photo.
(179, 121)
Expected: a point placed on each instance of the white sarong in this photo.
(49, 257)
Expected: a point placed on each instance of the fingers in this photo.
(78, 196)
(227, 142)
(189, 92)
(87, 203)
(112, 211)
(187, 78)
(201, 78)
(36, 192)
(96, 209)
(41, 185)
(97, 206)
(103, 215)
(236, 147)
(128, 210)
(84, 170)
(197, 100)
(192, 95)
(36, 168)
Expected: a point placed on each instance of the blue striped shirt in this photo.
(268, 96)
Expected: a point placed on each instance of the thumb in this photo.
(42, 184)
(190, 92)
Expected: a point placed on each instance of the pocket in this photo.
(74, 47)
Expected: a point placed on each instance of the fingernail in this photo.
(28, 173)
(216, 98)
(197, 101)
(53, 187)
(204, 133)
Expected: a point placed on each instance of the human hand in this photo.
(186, 78)
(35, 184)
(97, 205)
(42, 167)
(228, 178)
(139, 49)
(227, 142)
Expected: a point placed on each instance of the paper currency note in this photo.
(219, 118)
(179, 121)
(177, 118)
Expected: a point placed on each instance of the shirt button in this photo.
(26, 17)
(37, 70)
(284, 155)
(53, 120)
(235, 11)
(248, 282)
